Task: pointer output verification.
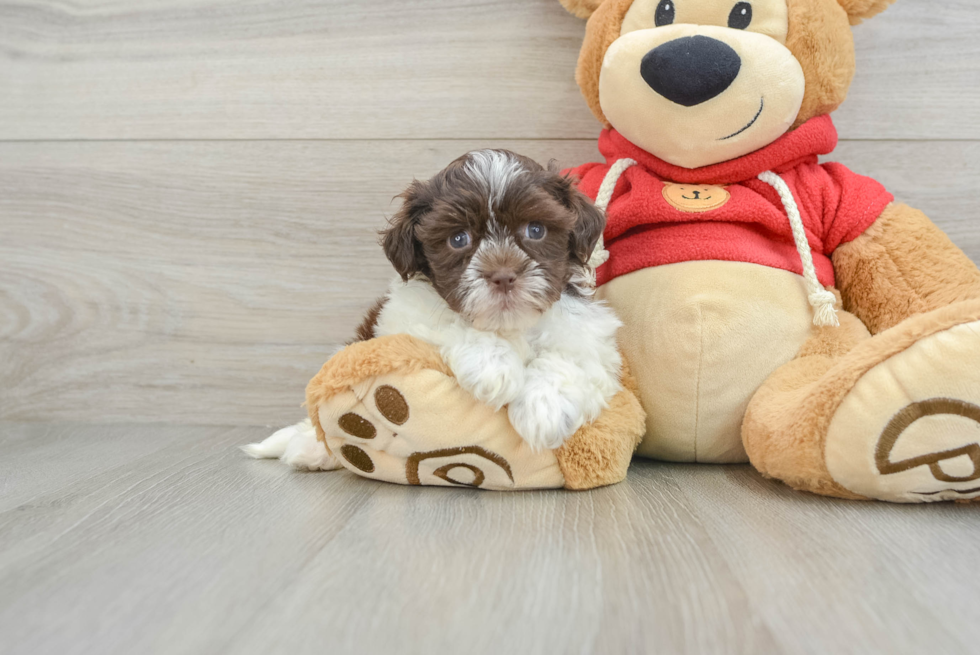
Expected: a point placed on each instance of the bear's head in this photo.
(698, 82)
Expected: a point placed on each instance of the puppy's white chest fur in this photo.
(554, 376)
(415, 308)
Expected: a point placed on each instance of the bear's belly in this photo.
(701, 337)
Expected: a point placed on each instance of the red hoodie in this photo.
(652, 222)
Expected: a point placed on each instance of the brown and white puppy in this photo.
(498, 237)
(492, 257)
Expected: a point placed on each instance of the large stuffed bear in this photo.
(776, 310)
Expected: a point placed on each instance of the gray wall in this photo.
(189, 190)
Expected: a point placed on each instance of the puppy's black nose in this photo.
(503, 280)
(690, 70)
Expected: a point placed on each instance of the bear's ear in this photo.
(581, 8)
(858, 10)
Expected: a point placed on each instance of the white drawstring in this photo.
(822, 301)
(600, 255)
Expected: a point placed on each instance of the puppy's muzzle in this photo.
(503, 280)
(690, 70)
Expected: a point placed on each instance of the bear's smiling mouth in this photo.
(762, 105)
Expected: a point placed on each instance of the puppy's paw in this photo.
(544, 417)
(494, 380)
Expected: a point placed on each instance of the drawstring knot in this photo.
(824, 302)
(600, 255)
(824, 305)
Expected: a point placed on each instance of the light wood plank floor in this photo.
(139, 539)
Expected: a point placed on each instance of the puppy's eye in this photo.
(535, 231)
(741, 16)
(459, 240)
(665, 13)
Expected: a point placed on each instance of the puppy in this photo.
(492, 257)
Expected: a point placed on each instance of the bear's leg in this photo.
(903, 265)
(894, 416)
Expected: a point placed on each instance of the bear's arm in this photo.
(900, 266)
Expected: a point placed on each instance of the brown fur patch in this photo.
(901, 266)
(366, 330)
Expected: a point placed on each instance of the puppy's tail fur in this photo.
(297, 446)
(274, 446)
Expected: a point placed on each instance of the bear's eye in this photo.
(665, 13)
(741, 16)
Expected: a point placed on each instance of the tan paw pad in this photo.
(909, 430)
(378, 430)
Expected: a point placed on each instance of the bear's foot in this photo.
(390, 409)
(909, 429)
(893, 417)
(422, 430)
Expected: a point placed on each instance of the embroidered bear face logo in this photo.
(698, 82)
(694, 198)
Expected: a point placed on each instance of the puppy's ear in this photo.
(590, 221)
(400, 244)
(588, 228)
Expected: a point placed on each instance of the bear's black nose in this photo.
(690, 70)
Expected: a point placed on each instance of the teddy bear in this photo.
(777, 310)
